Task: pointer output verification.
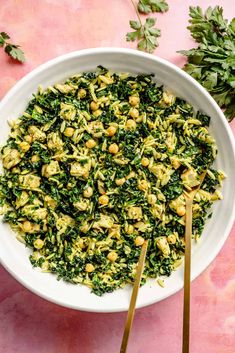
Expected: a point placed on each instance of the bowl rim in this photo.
(116, 50)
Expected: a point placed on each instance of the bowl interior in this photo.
(14, 255)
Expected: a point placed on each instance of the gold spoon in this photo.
(189, 196)
(131, 310)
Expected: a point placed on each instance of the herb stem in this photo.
(137, 12)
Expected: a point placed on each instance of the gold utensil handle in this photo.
(187, 273)
(187, 262)
(134, 294)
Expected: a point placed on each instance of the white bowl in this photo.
(13, 254)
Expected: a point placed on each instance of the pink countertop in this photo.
(28, 324)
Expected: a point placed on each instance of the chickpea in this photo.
(130, 124)
(133, 100)
(25, 146)
(90, 143)
(88, 192)
(152, 199)
(103, 200)
(181, 211)
(81, 244)
(35, 158)
(28, 138)
(139, 241)
(113, 148)
(111, 131)
(26, 226)
(134, 113)
(145, 162)
(82, 93)
(38, 243)
(129, 229)
(120, 182)
(69, 131)
(112, 256)
(89, 268)
(94, 106)
(97, 113)
(143, 185)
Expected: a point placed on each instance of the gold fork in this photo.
(189, 196)
(131, 311)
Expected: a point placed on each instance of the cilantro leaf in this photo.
(148, 6)
(146, 34)
(212, 63)
(11, 49)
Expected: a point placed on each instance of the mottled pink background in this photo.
(28, 324)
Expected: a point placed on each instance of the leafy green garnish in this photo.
(146, 34)
(148, 6)
(3, 37)
(15, 52)
(212, 63)
(12, 50)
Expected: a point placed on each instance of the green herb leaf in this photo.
(3, 37)
(212, 63)
(135, 25)
(148, 6)
(146, 34)
(132, 36)
(11, 49)
(15, 52)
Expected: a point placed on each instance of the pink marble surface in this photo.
(28, 324)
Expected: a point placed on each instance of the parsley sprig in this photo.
(212, 63)
(148, 6)
(146, 34)
(12, 50)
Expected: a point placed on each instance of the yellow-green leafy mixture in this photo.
(96, 165)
